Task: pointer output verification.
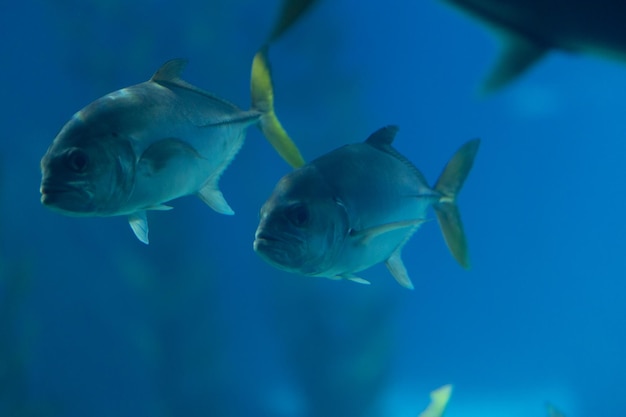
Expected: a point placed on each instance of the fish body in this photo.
(170, 140)
(532, 28)
(139, 147)
(355, 207)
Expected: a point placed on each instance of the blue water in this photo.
(94, 323)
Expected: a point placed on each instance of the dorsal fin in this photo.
(382, 140)
(170, 71)
(383, 136)
(170, 75)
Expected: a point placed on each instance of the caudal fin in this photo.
(449, 184)
(289, 14)
(263, 100)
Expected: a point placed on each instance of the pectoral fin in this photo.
(159, 154)
(518, 54)
(365, 236)
(139, 223)
(213, 197)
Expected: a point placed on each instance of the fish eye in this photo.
(77, 160)
(298, 215)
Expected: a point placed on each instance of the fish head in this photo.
(302, 225)
(88, 170)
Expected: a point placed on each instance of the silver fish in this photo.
(532, 28)
(357, 206)
(139, 147)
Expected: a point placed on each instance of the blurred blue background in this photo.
(94, 323)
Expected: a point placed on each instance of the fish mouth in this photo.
(267, 237)
(64, 197)
(47, 188)
(265, 240)
(281, 250)
(263, 237)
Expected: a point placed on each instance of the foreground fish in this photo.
(357, 206)
(532, 28)
(139, 147)
(439, 399)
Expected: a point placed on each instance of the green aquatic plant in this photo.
(438, 402)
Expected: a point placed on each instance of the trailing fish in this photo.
(357, 206)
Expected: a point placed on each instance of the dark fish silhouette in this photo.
(531, 28)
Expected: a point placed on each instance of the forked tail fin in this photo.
(449, 184)
(262, 89)
(262, 94)
(290, 12)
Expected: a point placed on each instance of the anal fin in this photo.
(214, 198)
(139, 223)
(348, 276)
(160, 207)
(358, 280)
(398, 270)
